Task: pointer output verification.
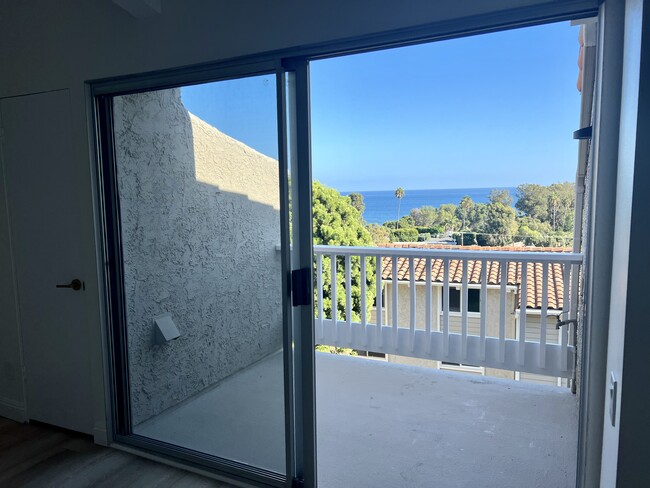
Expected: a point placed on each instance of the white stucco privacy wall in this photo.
(200, 226)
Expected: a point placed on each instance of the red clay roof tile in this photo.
(534, 271)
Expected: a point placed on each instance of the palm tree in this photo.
(399, 194)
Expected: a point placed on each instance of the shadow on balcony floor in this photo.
(388, 425)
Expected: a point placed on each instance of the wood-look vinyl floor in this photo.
(39, 456)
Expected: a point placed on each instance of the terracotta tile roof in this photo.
(534, 272)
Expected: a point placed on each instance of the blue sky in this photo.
(492, 110)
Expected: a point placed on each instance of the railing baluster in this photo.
(573, 302)
(428, 304)
(379, 298)
(335, 308)
(412, 313)
(504, 351)
(364, 310)
(566, 308)
(319, 291)
(463, 308)
(544, 314)
(483, 306)
(522, 312)
(502, 311)
(445, 301)
(395, 300)
(348, 293)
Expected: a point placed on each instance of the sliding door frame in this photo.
(114, 298)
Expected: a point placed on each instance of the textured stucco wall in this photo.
(200, 226)
(584, 243)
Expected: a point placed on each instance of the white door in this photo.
(44, 209)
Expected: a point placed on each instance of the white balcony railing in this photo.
(497, 336)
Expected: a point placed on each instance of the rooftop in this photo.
(514, 271)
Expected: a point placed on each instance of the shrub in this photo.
(405, 235)
(430, 230)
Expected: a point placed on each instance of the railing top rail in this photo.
(400, 252)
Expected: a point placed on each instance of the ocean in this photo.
(381, 206)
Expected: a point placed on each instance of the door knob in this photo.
(75, 284)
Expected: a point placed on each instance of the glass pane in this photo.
(454, 300)
(473, 300)
(198, 182)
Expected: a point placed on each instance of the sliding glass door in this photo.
(196, 185)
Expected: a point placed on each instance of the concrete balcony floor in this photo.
(387, 425)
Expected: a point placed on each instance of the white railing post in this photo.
(412, 310)
(483, 307)
(543, 318)
(364, 309)
(502, 310)
(319, 292)
(445, 301)
(335, 307)
(463, 308)
(395, 301)
(523, 297)
(566, 309)
(429, 290)
(348, 293)
(379, 298)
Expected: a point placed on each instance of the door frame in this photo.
(293, 64)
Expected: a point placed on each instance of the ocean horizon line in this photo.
(429, 189)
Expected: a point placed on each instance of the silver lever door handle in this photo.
(75, 284)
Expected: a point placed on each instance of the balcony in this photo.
(387, 425)
(384, 424)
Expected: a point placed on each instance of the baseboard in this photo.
(13, 409)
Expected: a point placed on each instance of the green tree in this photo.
(532, 201)
(399, 194)
(379, 234)
(357, 201)
(464, 207)
(553, 204)
(500, 224)
(406, 221)
(500, 196)
(337, 223)
(405, 234)
(476, 217)
(447, 217)
(562, 206)
(425, 216)
(534, 232)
